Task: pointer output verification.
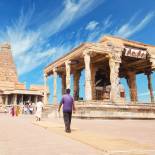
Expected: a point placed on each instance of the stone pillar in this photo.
(54, 85)
(76, 75)
(36, 99)
(30, 98)
(6, 100)
(15, 99)
(1, 99)
(150, 86)
(131, 77)
(88, 88)
(45, 89)
(114, 79)
(93, 73)
(67, 64)
(63, 83)
(22, 96)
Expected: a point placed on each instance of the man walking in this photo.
(68, 105)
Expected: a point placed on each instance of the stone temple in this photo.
(11, 90)
(105, 62)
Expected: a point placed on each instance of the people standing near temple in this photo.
(17, 110)
(39, 108)
(12, 110)
(31, 108)
(68, 106)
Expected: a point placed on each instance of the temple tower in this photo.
(8, 73)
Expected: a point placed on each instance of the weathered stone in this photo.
(132, 85)
(11, 88)
(88, 87)
(55, 86)
(110, 58)
(114, 79)
(76, 77)
(67, 64)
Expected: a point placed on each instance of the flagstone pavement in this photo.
(24, 136)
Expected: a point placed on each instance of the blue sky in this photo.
(40, 32)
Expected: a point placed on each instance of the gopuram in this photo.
(11, 90)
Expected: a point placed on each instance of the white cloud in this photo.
(72, 11)
(133, 27)
(100, 30)
(91, 25)
(30, 47)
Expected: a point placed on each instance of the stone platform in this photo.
(106, 110)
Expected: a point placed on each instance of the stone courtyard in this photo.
(22, 135)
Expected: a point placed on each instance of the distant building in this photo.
(11, 90)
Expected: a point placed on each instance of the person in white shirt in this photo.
(39, 108)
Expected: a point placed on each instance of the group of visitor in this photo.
(30, 108)
(27, 108)
(15, 110)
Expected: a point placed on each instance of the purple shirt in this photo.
(67, 101)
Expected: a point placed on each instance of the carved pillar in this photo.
(6, 100)
(55, 86)
(36, 99)
(88, 88)
(150, 86)
(45, 89)
(152, 60)
(30, 97)
(1, 99)
(67, 64)
(114, 79)
(93, 73)
(63, 82)
(76, 75)
(131, 77)
(22, 96)
(15, 99)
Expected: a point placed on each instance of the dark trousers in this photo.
(67, 120)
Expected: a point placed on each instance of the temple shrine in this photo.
(105, 62)
(12, 92)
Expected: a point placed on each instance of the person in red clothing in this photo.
(13, 111)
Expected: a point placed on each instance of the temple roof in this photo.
(101, 47)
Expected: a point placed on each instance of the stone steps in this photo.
(107, 111)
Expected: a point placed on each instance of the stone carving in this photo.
(45, 89)
(114, 79)
(152, 60)
(55, 85)
(132, 85)
(76, 74)
(88, 89)
(7, 67)
(67, 64)
(150, 85)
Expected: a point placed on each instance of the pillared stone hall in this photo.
(105, 62)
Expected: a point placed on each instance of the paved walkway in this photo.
(116, 137)
(18, 136)
(24, 136)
